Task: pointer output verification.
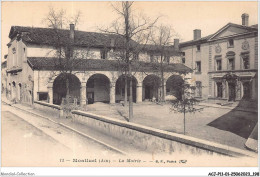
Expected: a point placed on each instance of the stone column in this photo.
(112, 92)
(139, 92)
(83, 94)
(50, 93)
(224, 89)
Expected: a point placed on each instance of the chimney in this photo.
(196, 34)
(245, 19)
(72, 33)
(176, 44)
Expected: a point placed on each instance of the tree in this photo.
(186, 103)
(63, 45)
(161, 39)
(131, 28)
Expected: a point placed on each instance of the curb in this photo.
(214, 106)
(72, 129)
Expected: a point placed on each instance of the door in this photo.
(232, 91)
(246, 89)
(90, 97)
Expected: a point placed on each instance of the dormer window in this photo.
(231, 43)
(198, 48)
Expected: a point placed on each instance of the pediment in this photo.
(231, 30)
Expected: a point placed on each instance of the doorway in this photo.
(246, 90)
(232, 91)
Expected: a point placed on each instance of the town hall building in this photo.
(34, 72)
(225, 63)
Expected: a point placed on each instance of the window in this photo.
(42, 96)
(230, 43)
(136, 56)
(231, 64)
(245, 61)
(219, 89)
(218, 65)
(198, 67)
(166, 59)
(183, 60)
(103, 54)
(13, 50)
(198, 48)
(151, 58)
(198, 92)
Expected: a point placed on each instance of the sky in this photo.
(183, 17)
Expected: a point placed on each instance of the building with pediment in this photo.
(225, 63)
(33, 72)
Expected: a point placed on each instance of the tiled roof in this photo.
(50, 36)
(201, 40)
(44, 63)
(158, 48)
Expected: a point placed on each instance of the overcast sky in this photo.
(183, 17)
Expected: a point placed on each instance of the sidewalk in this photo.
(84, 130)
(230, 107)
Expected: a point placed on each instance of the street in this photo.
(44, 143)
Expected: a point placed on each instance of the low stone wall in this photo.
(51, 108)
(154, 140)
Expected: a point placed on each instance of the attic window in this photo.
(231, 43)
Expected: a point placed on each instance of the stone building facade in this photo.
(225, 63)
(32, 73)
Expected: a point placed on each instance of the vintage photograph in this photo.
(129, 84)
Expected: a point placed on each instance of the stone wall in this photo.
(48, 108)
(153, 140)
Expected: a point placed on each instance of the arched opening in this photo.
(60, 88)
(151, 86)
(232, 86)
(120, 88)
(174, 85)
(98, 89)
